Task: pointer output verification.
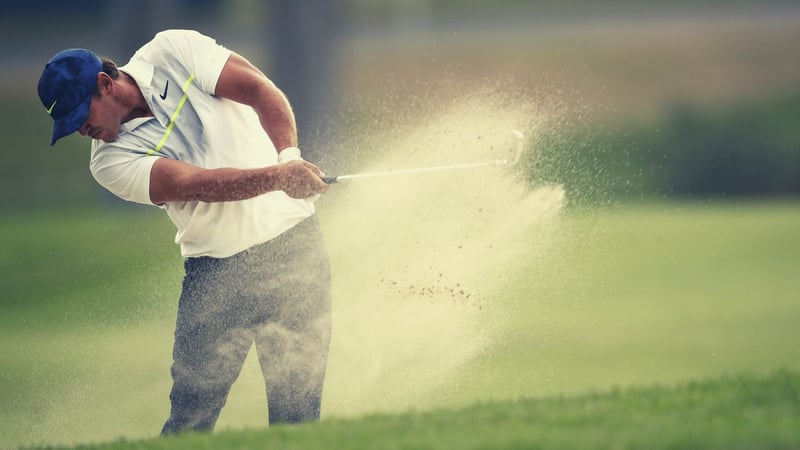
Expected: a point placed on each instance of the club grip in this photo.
(330, 180)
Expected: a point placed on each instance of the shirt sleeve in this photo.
(125, 174)
(199, 54)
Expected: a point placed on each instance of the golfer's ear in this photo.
(104, 83)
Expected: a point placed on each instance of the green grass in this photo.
(618, 301)
(63, 264)
(650, 293)
(739, 412)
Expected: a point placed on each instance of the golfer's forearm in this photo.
(276, 117)
(174, 181)
(227, 185)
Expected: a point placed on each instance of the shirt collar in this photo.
(134, 124)
(142, 72)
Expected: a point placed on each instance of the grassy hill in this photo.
(635, 296)
(734, 412)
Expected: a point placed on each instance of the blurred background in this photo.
(694, 98)
(673, 128)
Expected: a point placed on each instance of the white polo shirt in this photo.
(177, 73)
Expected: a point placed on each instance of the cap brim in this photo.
(72, 121)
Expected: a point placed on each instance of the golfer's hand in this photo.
(300, 179)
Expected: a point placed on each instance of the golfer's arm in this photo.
(175, 181)
(242, 82)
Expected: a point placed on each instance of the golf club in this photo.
(499, 162)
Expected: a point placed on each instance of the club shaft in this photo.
(498, 162)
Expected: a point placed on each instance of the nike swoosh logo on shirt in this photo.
(50, 109)
(164, 95)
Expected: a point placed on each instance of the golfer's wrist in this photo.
(289, 154)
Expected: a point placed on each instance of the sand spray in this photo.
(420, 261)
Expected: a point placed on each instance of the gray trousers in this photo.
(275, 294)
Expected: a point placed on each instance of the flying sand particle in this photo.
(400, 338)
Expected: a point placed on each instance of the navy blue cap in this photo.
(66, 87)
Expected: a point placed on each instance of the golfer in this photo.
(196, 130)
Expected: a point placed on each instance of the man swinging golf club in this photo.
(197, 130)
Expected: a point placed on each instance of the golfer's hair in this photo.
(109, 68)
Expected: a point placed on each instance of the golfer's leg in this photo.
(293, 345)
(209, 348)
(293, 362)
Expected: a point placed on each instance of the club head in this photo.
(520, 147)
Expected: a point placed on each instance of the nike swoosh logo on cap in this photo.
(50, 109)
